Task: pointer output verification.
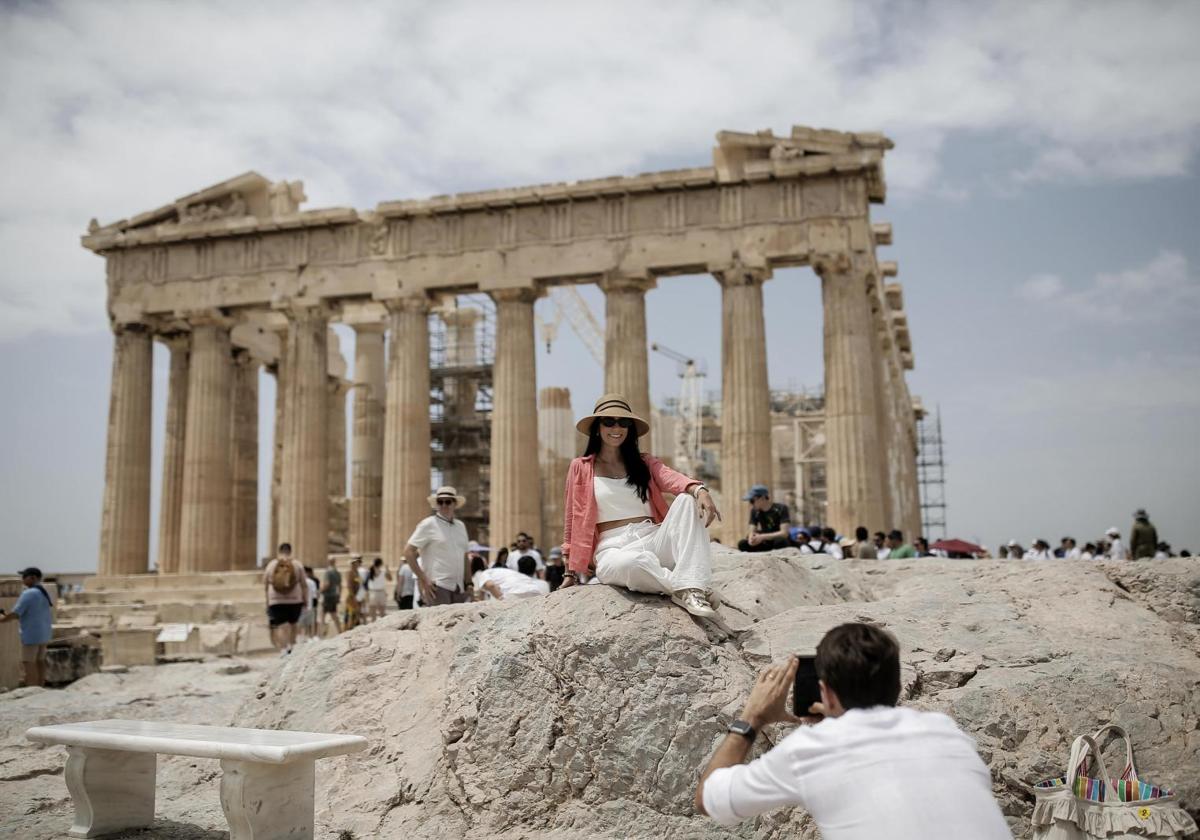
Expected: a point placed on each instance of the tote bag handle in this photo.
(1130, 770)
(1079, 751)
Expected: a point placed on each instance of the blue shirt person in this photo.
(33, 610)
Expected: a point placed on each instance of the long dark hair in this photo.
(636, 472)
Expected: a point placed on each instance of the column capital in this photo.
(133, 327)
(175, 339)
(414, 302)
(738, 273)
(836, 262)
(207, 318)
(295, 308)
(523, 294)
(360, 329)
(614, 281)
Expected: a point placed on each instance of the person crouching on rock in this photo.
(617, 521)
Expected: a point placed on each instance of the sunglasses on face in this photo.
(445, 502)
(609, 422)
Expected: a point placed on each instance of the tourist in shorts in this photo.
(287, 590)
(33, 611)
(618, 524)
(331, 596)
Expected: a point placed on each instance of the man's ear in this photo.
(830, 700)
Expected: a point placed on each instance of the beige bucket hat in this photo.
(612, 405)
(446, 491)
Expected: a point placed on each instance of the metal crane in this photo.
(688, 457)
(570, 304)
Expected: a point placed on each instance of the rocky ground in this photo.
(589, 714)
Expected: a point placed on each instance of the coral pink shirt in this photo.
(579, 508)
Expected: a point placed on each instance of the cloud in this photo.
(110, 109)
(1164, 288)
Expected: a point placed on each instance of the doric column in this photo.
(406, 456)
(277, 370)
(515, 481)
(851, 424)
(125, 517)
(626, 367)
(558, 439)
(339, 513)
(745, 398)
(366, 476)
(207, 474)
(243, 546)
(885, 464)
(303, 492)
(174, 437)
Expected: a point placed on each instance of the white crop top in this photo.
(616, 499)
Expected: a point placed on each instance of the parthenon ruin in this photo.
(237, 276)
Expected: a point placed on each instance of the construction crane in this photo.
(569, 304)
(688, 457)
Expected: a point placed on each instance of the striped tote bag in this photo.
(1087, 804)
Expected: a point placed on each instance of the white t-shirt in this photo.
(443, 547)
(1116, 550)
(512, 584)
(514, 556)
(872, 773)
(313, 589)
(883, 553)
(406, 581)
(1034, 554)
(379, 583)
(814, 546)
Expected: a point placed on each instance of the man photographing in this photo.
(865, 768)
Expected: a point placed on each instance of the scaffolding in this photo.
(462, 333)
(931, 475)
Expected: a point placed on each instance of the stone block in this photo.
(129, 646)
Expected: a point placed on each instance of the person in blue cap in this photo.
(769, 521)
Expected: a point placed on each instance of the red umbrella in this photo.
(957, 547)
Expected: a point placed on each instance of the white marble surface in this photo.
(268, 801)
(111, 790)
(254, 745)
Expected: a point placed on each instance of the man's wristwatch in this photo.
(740, 727)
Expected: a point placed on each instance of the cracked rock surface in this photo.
(590, 713)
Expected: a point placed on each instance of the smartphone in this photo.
(807, 690)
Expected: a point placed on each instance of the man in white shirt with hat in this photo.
(440, 540)
(1116, 548)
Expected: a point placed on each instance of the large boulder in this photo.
(591, 712)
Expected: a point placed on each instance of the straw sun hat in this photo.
(446, 491)
(612, 405)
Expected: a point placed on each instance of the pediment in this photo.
(248, 195)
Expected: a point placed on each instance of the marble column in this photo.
(243, 546)
(304, 487)
(339, 513)
(884, 465)
(276, 370)
(366, 471)
(559, 442)
(516, 503)
(906, 431)
(745, 398)
(626, 366)
(171, 495)
(851, 410)
(406, 455)
(125, 517)
(207, 475)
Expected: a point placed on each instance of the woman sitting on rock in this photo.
(617, 522)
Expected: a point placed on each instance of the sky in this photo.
(1043, 191)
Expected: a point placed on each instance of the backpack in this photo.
(283, 576)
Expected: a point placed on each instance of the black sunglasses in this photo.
(609, 422)
(447, 502)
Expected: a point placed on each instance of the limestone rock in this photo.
(590, 713)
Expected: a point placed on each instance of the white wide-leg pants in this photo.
(663, 558)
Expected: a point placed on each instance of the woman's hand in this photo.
(708, 509)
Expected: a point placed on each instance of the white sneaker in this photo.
(694, 602)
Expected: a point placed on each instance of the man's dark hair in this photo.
(881, 535)
(285, 547)
(477, 564)
(861, 533)
(896, 535)
(828, 534)
(861, 664)
(527, 565)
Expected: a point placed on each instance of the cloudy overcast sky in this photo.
(1043, 191)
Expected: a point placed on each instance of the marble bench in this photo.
(267, 776)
